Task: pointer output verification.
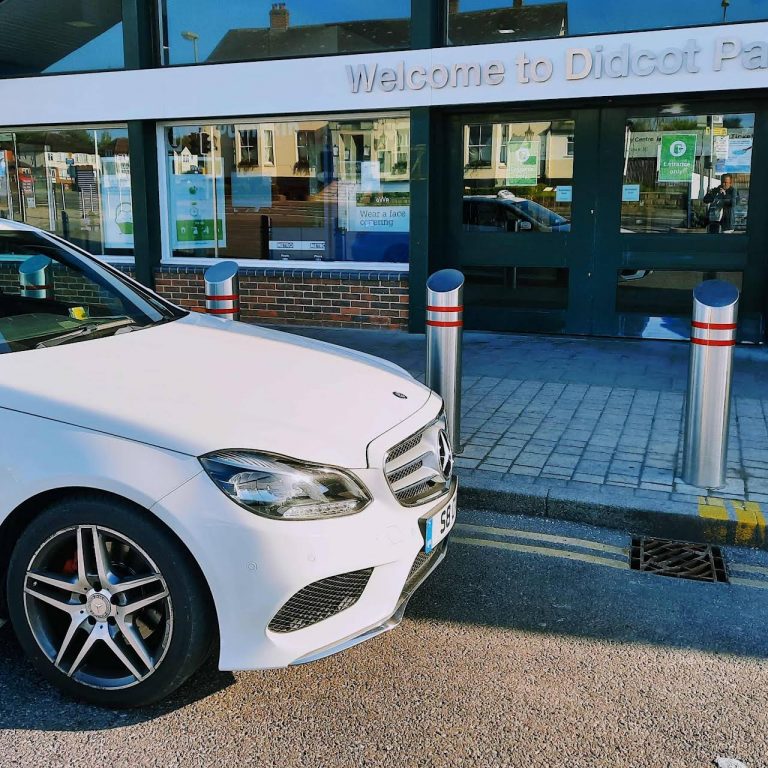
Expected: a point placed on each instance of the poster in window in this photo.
(739, 159)
(197, 210)
(251, 191)
(385, 211)
(116, 205)
(370, 177)
(523, 162)
(677, 157)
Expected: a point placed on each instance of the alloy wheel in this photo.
(98, 607)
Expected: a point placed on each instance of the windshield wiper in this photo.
(87, 330)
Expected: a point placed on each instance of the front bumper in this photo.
(253, 566)
(409, 589)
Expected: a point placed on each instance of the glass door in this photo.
(675, 194)
(602, 222)
(520, 221)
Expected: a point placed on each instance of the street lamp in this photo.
(724, 4)
(193, 37)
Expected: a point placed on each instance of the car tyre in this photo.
(107, 604)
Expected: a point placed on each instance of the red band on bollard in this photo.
(445, 323)
(714, 342)
(445, 309)
(233, 297)
(222, 311)
(714, 326)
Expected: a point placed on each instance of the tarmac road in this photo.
(532, 645)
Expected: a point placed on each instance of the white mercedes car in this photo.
(173, 483)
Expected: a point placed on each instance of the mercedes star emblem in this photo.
(445, 454)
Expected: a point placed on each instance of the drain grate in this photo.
(680, 559)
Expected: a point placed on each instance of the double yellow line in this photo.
(546, 544)
(749, 518)
(584, 550)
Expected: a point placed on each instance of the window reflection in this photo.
(656, 303)
(518, 176)
(65, 36)
(240, 30)
(74, 182)
(687, 173)
(516, 287)
(306, 190)
(499, 21)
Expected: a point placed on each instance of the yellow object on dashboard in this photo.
(78, 313)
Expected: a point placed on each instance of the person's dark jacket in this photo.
(727, 199)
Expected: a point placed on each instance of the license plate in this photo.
(438, 526)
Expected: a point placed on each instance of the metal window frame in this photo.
(166, 252)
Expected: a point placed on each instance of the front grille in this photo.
(405, 471)
(404, 447)
(413, 467)
(421, 565)
(321, 600)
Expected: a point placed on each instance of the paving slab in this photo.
(590, 430)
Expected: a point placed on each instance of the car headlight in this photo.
(283, 488)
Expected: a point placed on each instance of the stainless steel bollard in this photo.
(222, 290)
(445, 320)
(707, 412)
(36, 278)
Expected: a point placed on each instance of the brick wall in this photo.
(9, 276)
(68, 286)
(352, 299)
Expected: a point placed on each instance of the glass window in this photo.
(323, 190)
(656, 303)
(78, 299)
(518, 176)
(687, 173)
(240, 30)
(516, 287)
(65, 36)
(500, 21)
(248, 147)
(74, 182)
(269, 146)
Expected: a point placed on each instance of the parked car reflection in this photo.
(506, 212)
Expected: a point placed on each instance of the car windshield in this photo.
(52, 294)
(538, 213)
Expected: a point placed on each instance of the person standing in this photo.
(721, 200)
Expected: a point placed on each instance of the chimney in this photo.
(453, 7)
(279, 17)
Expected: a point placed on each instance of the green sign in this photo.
(677, 157)
(523, 162)
(198, 231)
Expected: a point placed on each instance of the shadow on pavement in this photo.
(27, 702)
(481, 586)
(475, 586)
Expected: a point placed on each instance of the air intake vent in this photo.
(421, 565)
(321, 600)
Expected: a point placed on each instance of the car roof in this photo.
(16, 226)
(494, 199)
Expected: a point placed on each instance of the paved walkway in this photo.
(593, 419)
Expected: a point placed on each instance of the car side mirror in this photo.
(524, 226)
